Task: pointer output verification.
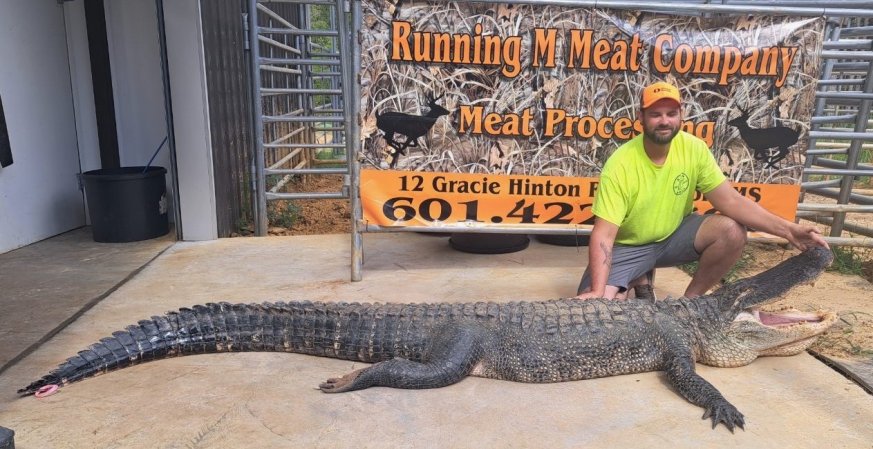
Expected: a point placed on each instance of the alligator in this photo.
(438, 344)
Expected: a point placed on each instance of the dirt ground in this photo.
(850, 295)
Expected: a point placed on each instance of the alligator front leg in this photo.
(678, 363)
(453, 354)
(681, 374)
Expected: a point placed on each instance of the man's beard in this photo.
(660, 139)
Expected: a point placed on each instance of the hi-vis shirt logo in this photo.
(680, 184)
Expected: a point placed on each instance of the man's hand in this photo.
(803, 237)
(752, 215)
(589, 295)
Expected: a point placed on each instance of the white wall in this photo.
(41, 57)
(191, 119)
(134, 54)
(83, 87)
(39, 195)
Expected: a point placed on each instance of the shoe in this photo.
(645, 292)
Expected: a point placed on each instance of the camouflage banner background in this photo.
(546, 90)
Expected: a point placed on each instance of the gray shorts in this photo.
(630, 262)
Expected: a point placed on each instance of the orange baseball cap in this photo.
(659, 91)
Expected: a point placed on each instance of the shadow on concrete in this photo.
(48, 284)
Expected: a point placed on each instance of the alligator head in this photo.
(748, 332)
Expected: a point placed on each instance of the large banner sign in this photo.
(495, 114)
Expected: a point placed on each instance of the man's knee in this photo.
(735, 232)
(727, 230)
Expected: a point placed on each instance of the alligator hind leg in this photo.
(453, 354)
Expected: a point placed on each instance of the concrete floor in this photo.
(48, 284)
(269, 399)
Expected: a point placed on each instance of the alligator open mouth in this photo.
(784, 317)
(782, 332)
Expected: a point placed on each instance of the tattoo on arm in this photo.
(607, 252)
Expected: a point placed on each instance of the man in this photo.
(644, 202)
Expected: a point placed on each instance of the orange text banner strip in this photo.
(424, 199)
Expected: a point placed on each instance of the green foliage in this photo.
(849, 260)
(243, 225)
(282, 213)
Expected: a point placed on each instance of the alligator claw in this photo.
(341, 384)
(725, 413)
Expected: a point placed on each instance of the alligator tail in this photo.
(302, 327)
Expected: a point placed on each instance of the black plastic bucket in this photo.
(127, 205)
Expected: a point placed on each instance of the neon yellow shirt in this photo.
(646, 201)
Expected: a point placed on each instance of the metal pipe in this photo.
(856, 82)
(841, 135)
(809, 186)
(838, 172)
(275, 16)
(858, 44)
(305, 79)
(850, 66)
(271, 68)
(307, 171)
(753, 237)
(306, 145)
(853, 208)
(285, 137)
(833, 163)
(307, 2)
(328, 128)
(704, 7)
(845, 94)
(298, 31)
(278, 44)
(850, 227)
(821, 152)
(307, 196)
(854, 55)
(284, 159)
(858, 31)
(832, 241)
(352, 105)
(843, 145)
(835, 193)
(277, 90)
(258, 132)
(300, 61)
(296, 119)
(833, 118)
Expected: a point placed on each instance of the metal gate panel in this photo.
(300, 65)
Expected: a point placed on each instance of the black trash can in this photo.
(126, 204)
